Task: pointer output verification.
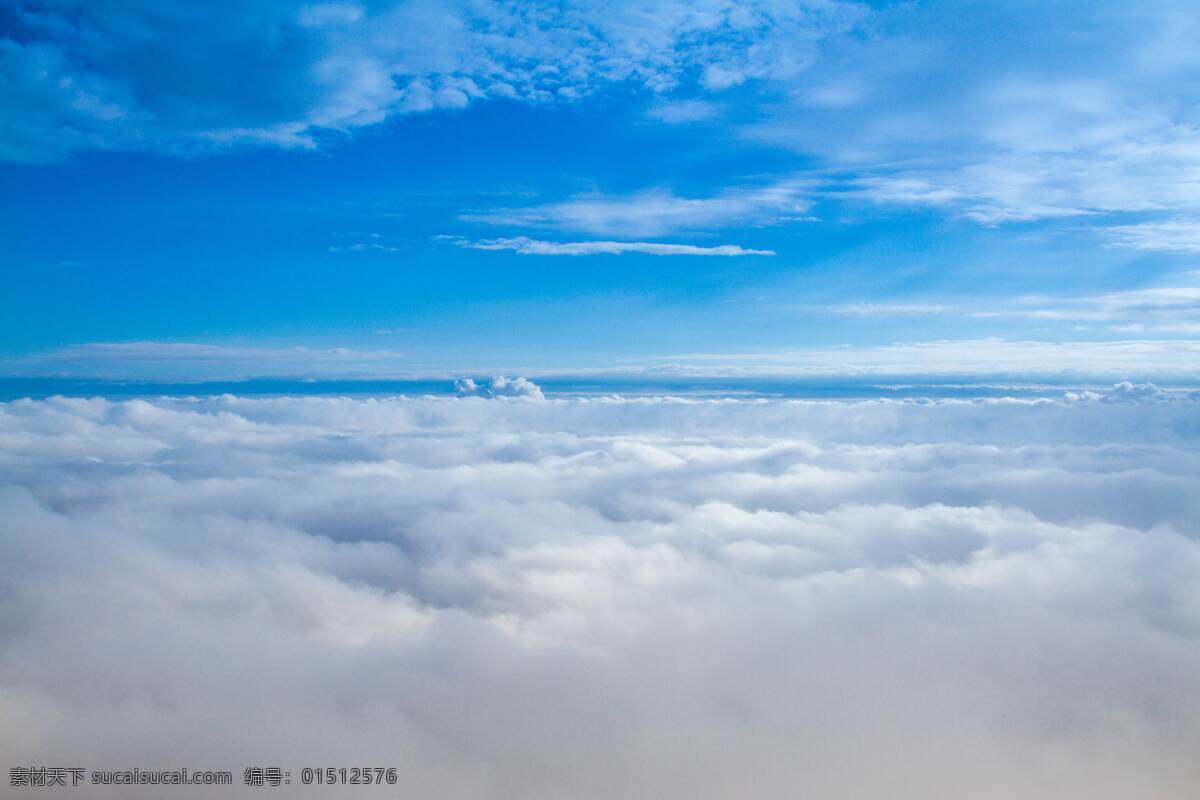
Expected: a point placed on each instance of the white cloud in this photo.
(320, 15)
(1077, 122)
(1177, 236)
(1126, 390)
(535, 247)
(888, 309)
(987, 193)
(1159, 308)
(683, 111)
(1093, 116)
(142, 75)
(363, 247)
(1173, 358)
(500, 386)
(658, 212)
(1121, 176)
(193, 360)
(1161, 304)
(609, 597)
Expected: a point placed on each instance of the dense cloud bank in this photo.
(610, 598)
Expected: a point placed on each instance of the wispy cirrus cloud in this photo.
(887, 309)
(1180, 236)
(1149, 359)
(1163, 308)
(656, 212)
(1006, 187)
(1177, 359)
(683, 111)
(536, 247)
(363, 247)
(362, 242)
(1163, 305)
(1095, 114)
(154, 360)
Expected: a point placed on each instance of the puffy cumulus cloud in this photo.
(1130, 392)
(172, 75)
(1127, 390)
(608, 597)
(500, 386)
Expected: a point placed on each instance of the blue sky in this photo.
(341, 189)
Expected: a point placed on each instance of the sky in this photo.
(692, 400)
(227, 190)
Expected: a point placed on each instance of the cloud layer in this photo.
(515, 598)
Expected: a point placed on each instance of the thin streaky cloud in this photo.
(889, 309)
(363, 247)
(1175, 358)
(659, 211)
(1148, 358)
(537, 247)
(683, 112)
(1163, 308)
(1179, 236)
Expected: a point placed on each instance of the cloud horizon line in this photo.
(189, 362)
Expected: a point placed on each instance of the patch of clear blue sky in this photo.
(916, 213)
